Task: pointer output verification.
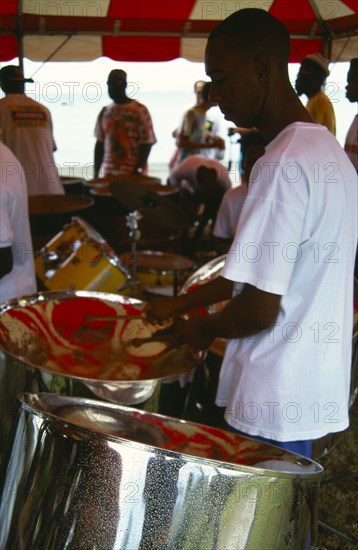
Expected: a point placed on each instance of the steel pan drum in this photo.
(204, 274)
(49, 213)
(78, 258)
(158, 270)
(162, 190)
(129, 178)
(72, 343)
(72, 185)
(84, 475)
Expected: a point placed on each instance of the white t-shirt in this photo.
(229, 212)
(184, 175)
(296, 237)
(15, 228)
(351, 144)
(213, 117)
(26, 128)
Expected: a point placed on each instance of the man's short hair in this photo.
(11, 76)
(354, 64)
(206, 91)
(117, 74)
(260, 30)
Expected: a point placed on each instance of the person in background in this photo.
(193, 137)
(288, 319)
(124, 132)
(17, 272)
(351, 142)
(252, 148)
(26, 129)
(202, 183)
(198, 88)
(311, 78)
(212, 128)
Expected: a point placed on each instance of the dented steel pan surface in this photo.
(88, 475)
(67, 348)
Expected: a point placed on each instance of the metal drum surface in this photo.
(204, 274)
(83, 475)
(78, 343)
(78, 258)
(72, 185)
(157, 270)
(130, 178)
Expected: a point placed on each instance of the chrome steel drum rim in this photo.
(301, 467)
(59, 296)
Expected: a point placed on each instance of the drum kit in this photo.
(88, 459)
(78, 257)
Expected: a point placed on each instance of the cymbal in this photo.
(154, 207)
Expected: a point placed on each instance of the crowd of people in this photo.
(290, 232)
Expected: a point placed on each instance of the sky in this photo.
(177, 75)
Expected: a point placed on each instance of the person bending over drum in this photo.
(288, 276)
(202, 183)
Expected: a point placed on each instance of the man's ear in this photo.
(263, 68)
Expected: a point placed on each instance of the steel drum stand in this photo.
(134, 233)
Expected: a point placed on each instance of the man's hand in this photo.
(161, 310)
(192, 332)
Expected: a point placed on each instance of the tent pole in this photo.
(20, 34)
(326, 33)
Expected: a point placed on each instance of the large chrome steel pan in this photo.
(86, 475)
(72, 343)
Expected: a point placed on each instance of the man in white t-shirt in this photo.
(17, 273)
(26, 128)
(288, 276)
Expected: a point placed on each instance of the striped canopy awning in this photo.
(161, 30)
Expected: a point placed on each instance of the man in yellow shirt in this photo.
(310, 80)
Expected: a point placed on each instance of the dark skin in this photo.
(6, 261)
(352, 84)
(271, 105)
(308, 81)
(117, 84)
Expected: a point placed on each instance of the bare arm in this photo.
(183, 140)
(250, 312)
(6, 261)
(98, 157)
(143, 154)
(217, 290)
(185, 143)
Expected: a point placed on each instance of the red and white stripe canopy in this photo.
(161, 30)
